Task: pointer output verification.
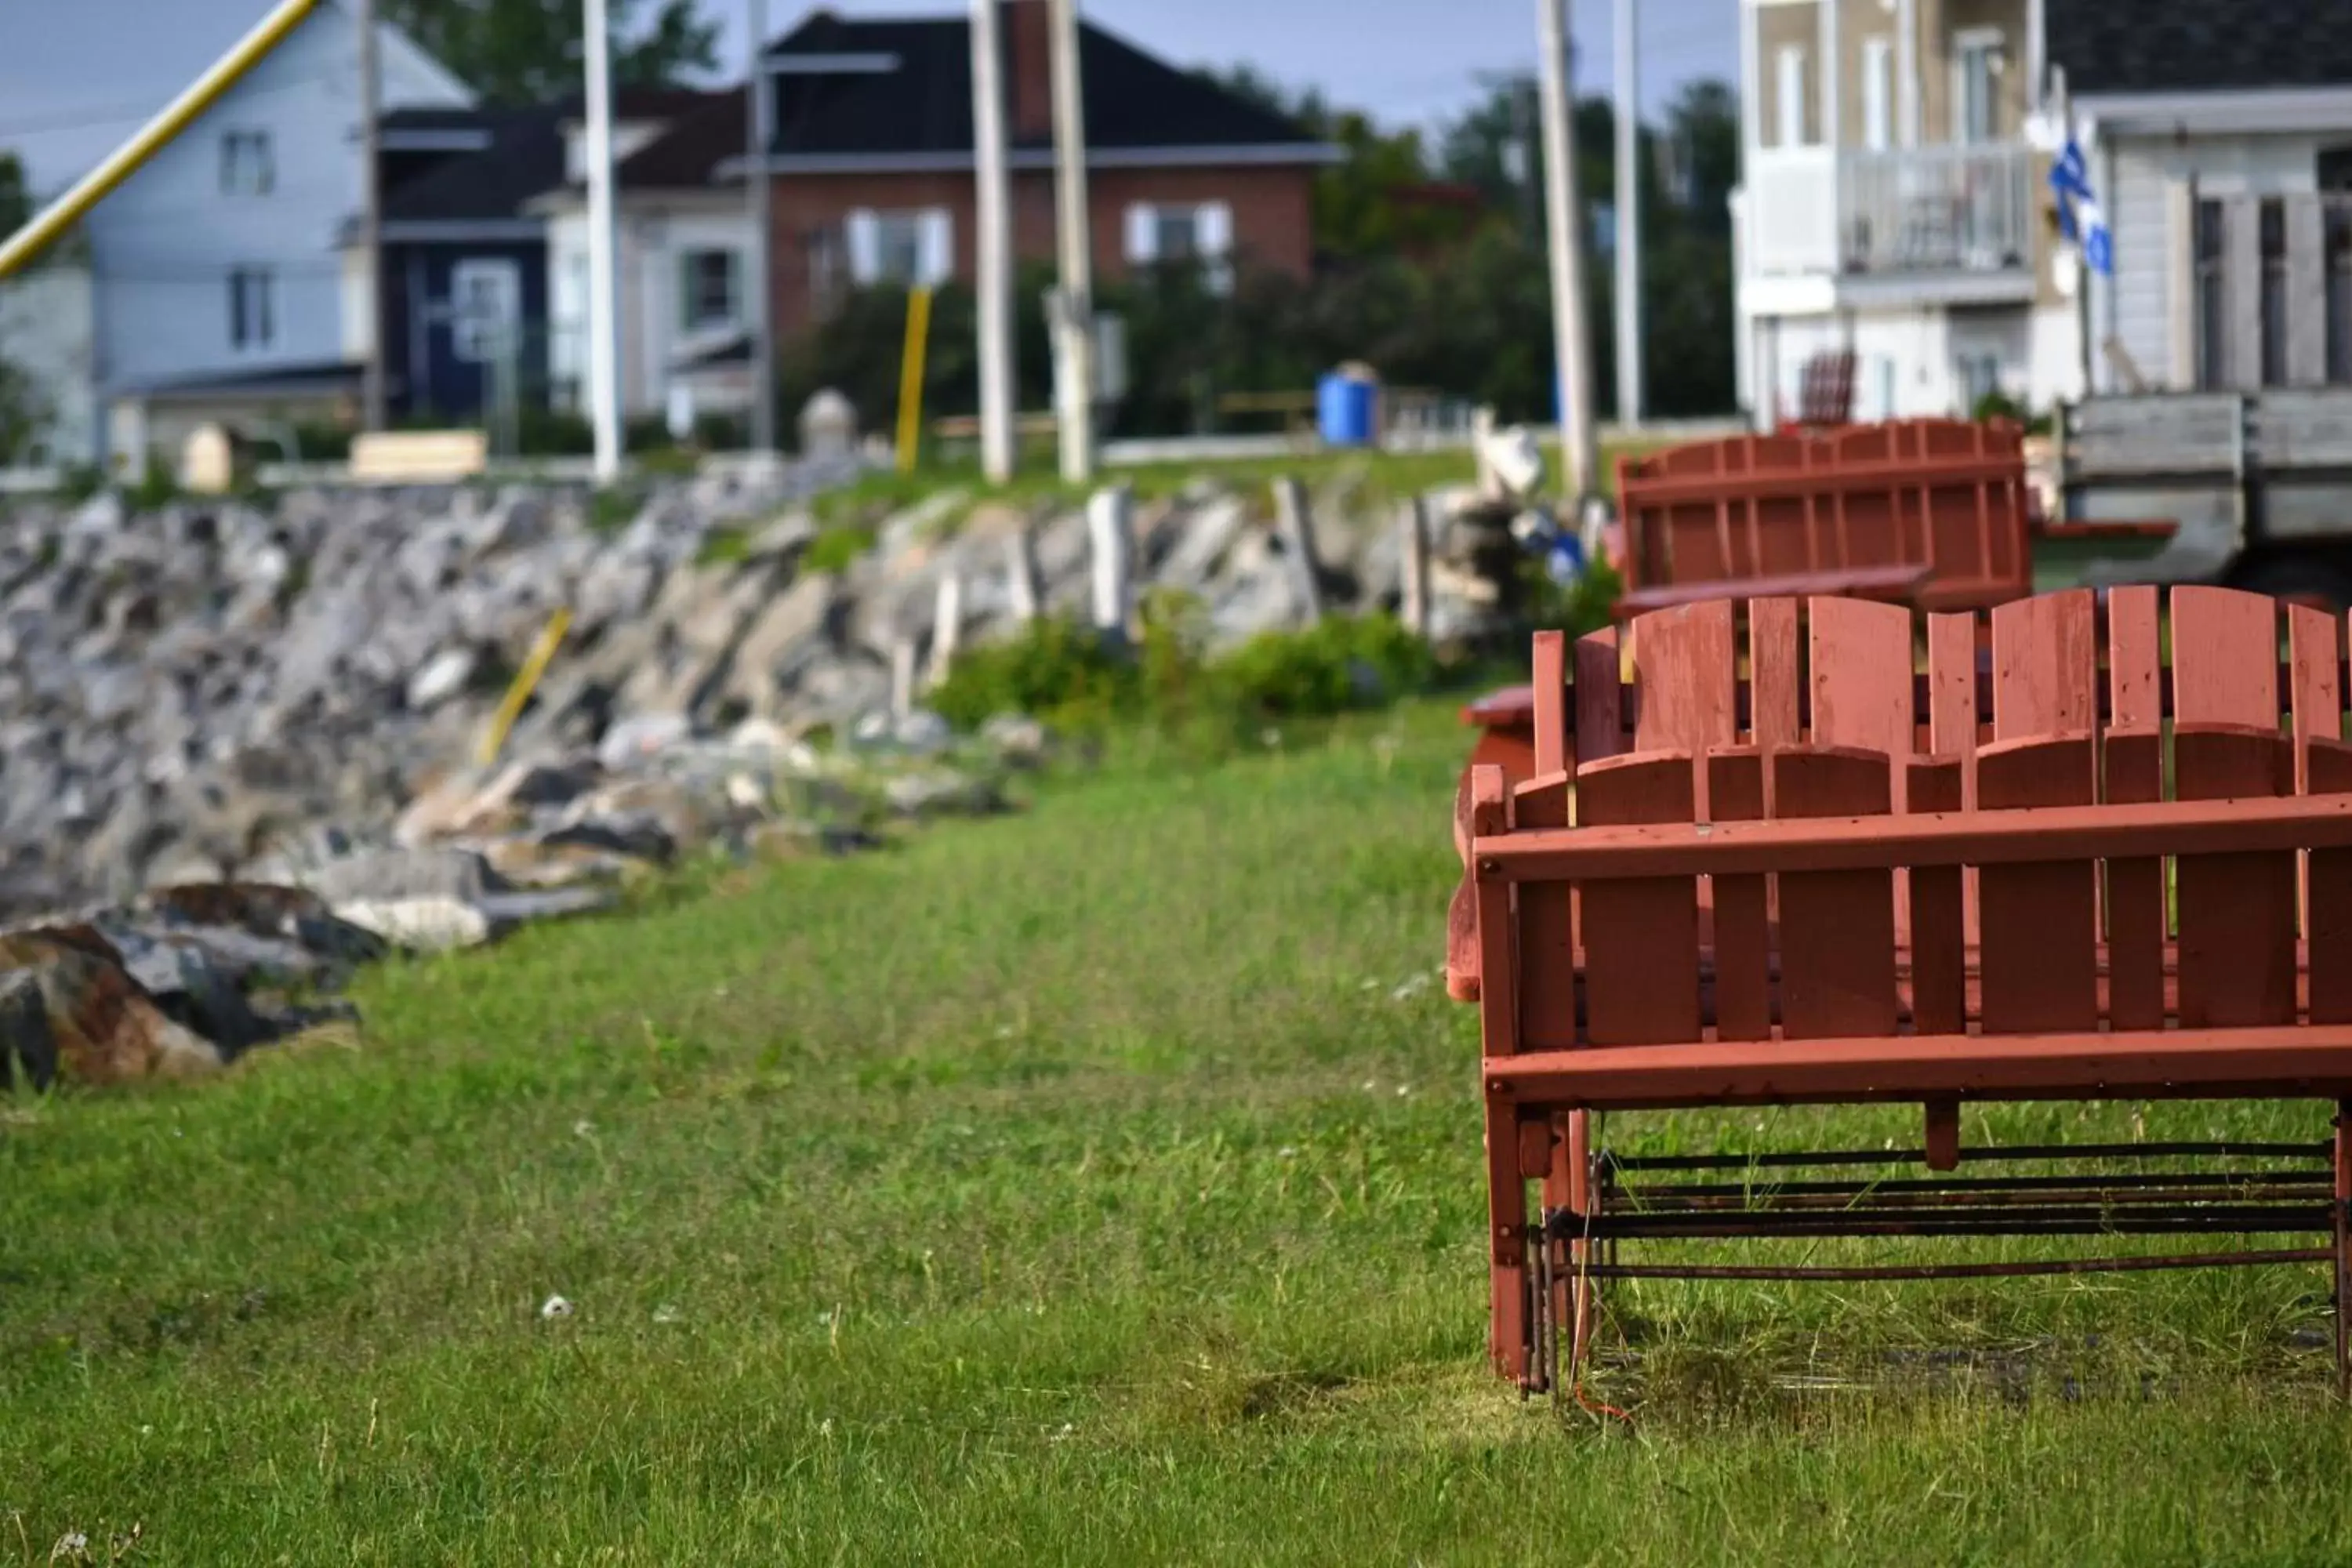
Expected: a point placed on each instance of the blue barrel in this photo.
(1344, 409)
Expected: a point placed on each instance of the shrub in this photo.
(1056, 668)
(837, 547)
(1062, 670)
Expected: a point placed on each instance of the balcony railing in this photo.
(1936, 209)
(1911, 210)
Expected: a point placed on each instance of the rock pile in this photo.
(268, 709)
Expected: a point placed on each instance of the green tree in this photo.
(529, 52)
(16, 200)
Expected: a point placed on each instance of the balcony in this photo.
(1960, 215)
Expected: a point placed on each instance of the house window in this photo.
(1789, 94)
(1978, 65)
(1877, 94)
(484, 303)
(252, 307)
(2212, 305)
(709, 290)
(1183, 234)
(1980, 379)
(248, 166)
(909, 248)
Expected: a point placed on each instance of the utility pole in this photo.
(1579, 456)
(999, 388)
(1629, 217)
(603, 252)
(1075, 306)
(371, 392)
(759, 114)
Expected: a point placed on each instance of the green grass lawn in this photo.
(1099, 1185)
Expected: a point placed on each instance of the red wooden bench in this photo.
(1860, 886)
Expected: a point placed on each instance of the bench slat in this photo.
(2135, 913)
(1837, 928)
(1772, 671)
(1939, 954)
(1599, 697)
(1546, 929)
(1743, 956)
(2294, 1061)
(2329, 769)
(2045, 666)
(1641, 937)
(2224, 656)
(2137, 920)
(2041, 919)
(1685, 669)
(2237, 910)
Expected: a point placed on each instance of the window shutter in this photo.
(1213, 233)
(865, 233)
(936, 242)
(1143, 233)
(686, 315)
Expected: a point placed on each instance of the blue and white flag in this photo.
(2079, 213)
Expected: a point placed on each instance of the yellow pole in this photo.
(176, 116)
(911, 378)
(542, 653)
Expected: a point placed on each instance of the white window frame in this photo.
(1991, 46)
(248, 163)
(872, 233)
(692, 322)
(252, 308)
(1213, 238)
(477, 339)
(1878, 93)
(1789, 90)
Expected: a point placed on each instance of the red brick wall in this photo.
(1272, 217)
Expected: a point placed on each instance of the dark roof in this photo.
(524, 158)
(688, 155)
(2199, 45)
(1132, 100)
(309, 379)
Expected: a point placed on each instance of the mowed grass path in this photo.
(1100, 1185)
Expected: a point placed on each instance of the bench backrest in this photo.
(1944, 498)
(1937, 934)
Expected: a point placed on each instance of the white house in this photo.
(683, 254)
(1894, 206)
(2217, 124)
(217, 285)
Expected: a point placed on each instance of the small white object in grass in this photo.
(825, 1427)
(1064, 1436)
(555, 1307)
(1288, 1153)
(1404, 1089)
(665, 1313)
(1412, 988)
(1272, 739)
(584, 1127)
(72, 1545)
(1370, 1086)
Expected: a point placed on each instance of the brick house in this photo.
(872, 159)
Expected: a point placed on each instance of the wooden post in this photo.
(1111, 538)
(1020, 574)
(946, 626)
(1412, 526)
(1296, 519)
(902, 677)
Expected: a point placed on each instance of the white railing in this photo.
(1936, 209)
(1791, 200)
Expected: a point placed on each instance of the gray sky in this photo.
(76, 79)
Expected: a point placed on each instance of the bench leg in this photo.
(2343, 1270)
(1507, 1240)
(1572, 1178)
